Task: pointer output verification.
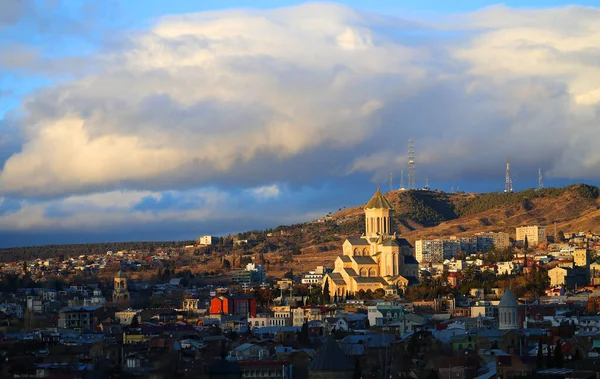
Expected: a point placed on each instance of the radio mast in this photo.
(508, 184)
(411, 164)
(402, 180)
(540, 179)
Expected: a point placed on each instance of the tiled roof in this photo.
(363, 260)
(358, 241)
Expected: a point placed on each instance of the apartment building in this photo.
(535, 234)
(499, 240)
(78, 317)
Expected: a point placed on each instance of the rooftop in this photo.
(378, 201)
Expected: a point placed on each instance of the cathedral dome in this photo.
(378, 201)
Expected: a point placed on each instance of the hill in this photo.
(417, 215)
(435, 214)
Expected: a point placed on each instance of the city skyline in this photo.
(170, 120)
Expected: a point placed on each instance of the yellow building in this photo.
(375, 260)
(581, 257)
(535, 234)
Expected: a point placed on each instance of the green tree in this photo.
(135, 322)
(539, 364)
(326, 295)
(549, 359)
(303, 338)
(558, 356)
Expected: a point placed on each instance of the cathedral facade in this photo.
(377, 259)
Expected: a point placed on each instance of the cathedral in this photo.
(377, 259)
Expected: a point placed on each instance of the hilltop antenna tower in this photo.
(402, 179)
(540, 181)
(411, 164)
(508, 183)
(427, 183)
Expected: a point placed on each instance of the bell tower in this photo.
(378, 213)
(120, 292)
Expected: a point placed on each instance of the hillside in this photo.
(417, 214)
(434, 214)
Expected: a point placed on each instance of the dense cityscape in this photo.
(491, 305)
(290, 189)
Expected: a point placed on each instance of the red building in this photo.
(233, 306)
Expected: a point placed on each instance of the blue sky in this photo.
(173, 119)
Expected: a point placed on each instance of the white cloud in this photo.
(247, 96)
(266, 192)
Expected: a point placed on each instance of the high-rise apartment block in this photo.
(535, 235)
(499, 240)
(438, 250)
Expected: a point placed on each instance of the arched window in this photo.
(384, 226)
(378, 225)
(372, 272)
(372, 226)
(355, 251)
(365, 251)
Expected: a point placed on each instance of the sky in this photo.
(168, 120)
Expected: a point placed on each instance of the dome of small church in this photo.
(120, 274)
(378, 201)
(508, 300)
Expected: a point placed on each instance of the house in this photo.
(248, 352)
(78, 317)
(338, 323)
(233, 306)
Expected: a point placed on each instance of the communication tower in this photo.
(402, 180)
(540, 181)
(411, 164)
(508, 183)
(426, 184)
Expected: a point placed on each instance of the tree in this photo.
(526, 244)
(357, 369)
(549, 360)
(135, 322)
(558, 356)
(303, 337)
(539, 364)
(560, 236)
(326, 295)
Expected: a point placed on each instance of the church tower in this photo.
(120, 292)
(378, 213)
(508, 312)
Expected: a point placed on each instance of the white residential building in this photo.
(205, 240)
(508, 268)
